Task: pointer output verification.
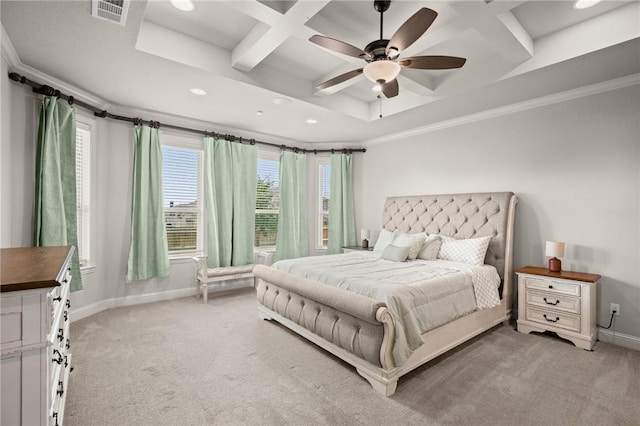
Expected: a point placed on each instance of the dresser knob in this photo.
(550, 286)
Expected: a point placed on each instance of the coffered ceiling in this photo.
(245, 54)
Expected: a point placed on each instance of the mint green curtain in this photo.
(231, 172)
(55, 184)
(148, 252)
(342, 228)
(292, 220)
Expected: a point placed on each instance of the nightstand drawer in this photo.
(553, 286)
(553, 318)
(546, 299)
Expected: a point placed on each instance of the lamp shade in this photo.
(364, 234)
(381, 71)
(554, 249)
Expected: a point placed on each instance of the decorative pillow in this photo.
(384, 239)
(430, 248)
(471, 251)
(395, 253)
(413, 241)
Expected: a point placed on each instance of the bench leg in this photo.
(205, 292)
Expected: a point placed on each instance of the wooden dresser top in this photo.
(28, 268)
(567, 275)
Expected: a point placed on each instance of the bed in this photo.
(368, 332)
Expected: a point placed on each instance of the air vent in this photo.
(111, 10)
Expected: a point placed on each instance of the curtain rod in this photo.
(45, 90)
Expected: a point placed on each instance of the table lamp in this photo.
(555, 250)
(364, 236)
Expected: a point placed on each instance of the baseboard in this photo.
(620, 339)
(103, 305)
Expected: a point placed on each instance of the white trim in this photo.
(592, 89)
(8, 51)
(620, 339)
(116, 302)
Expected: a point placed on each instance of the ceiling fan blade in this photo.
(410, 31)
(432, 62)
(339, 79)
(390, 89)
(339, 46)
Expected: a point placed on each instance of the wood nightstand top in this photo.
(567, 275)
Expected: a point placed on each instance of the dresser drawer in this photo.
(552, 318)
(550, 300)
(552, 286)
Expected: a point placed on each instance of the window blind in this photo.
(181, 185)
(83, 189)
(267, 202)
(325, 193)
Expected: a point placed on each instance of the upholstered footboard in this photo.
(355, 328)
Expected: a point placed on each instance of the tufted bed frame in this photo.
(360, 330)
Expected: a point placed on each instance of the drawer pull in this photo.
(67, 346)
(68, 303)
(55, 416)
(61, 334)
(551, 320)
(66, 361)
(65, 281)
(551, 303)
(57, 299)
(66, 316)
(60, 390)
(59, 360)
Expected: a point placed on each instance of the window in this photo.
(324, 192)
(267, 200)
(182, 192)
(84, 129)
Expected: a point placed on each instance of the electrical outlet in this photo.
(614, 307)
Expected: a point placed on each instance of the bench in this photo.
(206, 276)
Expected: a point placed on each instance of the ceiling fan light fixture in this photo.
(377, 88)
(384, 70)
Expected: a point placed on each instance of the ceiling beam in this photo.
(265, 37)
(499, 28)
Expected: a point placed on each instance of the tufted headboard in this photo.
(459, 216)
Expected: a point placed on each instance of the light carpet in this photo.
(181, 362)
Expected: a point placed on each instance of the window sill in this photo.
(183, 257)
(86, 270)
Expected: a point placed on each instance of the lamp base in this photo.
(365, 244)
(555, 265)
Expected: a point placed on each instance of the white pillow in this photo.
(384, 239)
(413, 241)
(395, 253)
(430, 248)
(471, 251)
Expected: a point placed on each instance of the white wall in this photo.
(575, 167)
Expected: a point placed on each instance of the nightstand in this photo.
(355, 248)
(563, 302)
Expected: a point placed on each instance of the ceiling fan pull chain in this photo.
(380, 99)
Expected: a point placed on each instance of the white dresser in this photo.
(35, 348)
(563, 302)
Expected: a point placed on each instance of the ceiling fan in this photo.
(383, 64)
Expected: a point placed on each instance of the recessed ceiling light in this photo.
(259, 112)
(583, 4)
(281, 101)
(184, 5)
(312, 121)
(198, 92)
